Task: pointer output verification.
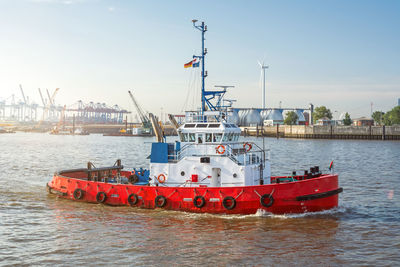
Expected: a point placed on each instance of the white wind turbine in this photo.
(263, 67)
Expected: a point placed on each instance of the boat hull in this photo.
(309, 195)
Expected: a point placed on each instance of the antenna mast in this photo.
(203, 29)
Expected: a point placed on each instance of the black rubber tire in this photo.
(270, 202)
(78, 193)
(133, 199)
(202, 201)
(101, 197)
(226, 201)
(158, 199)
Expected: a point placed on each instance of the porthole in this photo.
(182, 173)
(234, 175)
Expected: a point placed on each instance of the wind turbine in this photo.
(263, 67)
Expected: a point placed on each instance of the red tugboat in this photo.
(207, 171)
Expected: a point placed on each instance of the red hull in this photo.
(310, 195)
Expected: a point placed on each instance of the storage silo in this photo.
(276, 116)
(242, 115)
(233, 117)
(301, 119)
(253, 118)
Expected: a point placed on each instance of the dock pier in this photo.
(325, 132)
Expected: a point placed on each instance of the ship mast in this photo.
(203, 28)
(207, 96)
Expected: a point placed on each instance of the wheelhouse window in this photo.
(183, 137)
(208, 138)
(217, 137)
(230, 137)
(192, 137)
(200, 138)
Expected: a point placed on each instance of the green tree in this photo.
(378, 117)
(392, 117)
(291, 118)
(347, 120)
(321, 112)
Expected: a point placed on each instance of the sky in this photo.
(344, 55)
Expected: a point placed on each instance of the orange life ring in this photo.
(161, 178)
(219, 151)
(247, 146)
(133, 172)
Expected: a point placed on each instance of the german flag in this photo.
(189, 64)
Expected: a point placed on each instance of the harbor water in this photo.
(42, 230)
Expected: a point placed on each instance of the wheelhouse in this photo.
(208, 133)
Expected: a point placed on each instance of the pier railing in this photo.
(325, 132)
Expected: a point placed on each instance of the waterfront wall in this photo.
(326, 132)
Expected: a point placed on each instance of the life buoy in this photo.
(161, 178)
(133, 199)
(78, 193)
(270, 200)
(133, 172)
(101, 197)
(229, 203)
(160, 201)
(199, 204)
(220, 149)
(247, 146)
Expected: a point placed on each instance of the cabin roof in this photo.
(194, 127)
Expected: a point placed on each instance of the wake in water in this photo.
(335, 212)
(332, 212)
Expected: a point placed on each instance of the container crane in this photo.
(146, 123)
(23, 95)
(46, 106)
(41, 96)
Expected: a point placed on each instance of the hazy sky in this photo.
(342, 54)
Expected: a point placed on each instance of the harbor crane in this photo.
(47, 106)
(23, 95)
(146, 123)
(41, 96)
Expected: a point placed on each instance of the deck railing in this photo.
(238, 152)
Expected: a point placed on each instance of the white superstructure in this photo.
(208, 154)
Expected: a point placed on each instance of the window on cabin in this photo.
(230, 137)
(192, 137)
(225, 137)
(199, 138)
(236, 137)
(217, 137)
(184, 137)
(208, 137)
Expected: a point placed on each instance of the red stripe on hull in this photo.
(247, 198)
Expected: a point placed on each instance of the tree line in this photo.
(389, 118)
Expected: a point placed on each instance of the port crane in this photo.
(47, 106)
(146, 123)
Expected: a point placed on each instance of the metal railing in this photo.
(235, 151)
